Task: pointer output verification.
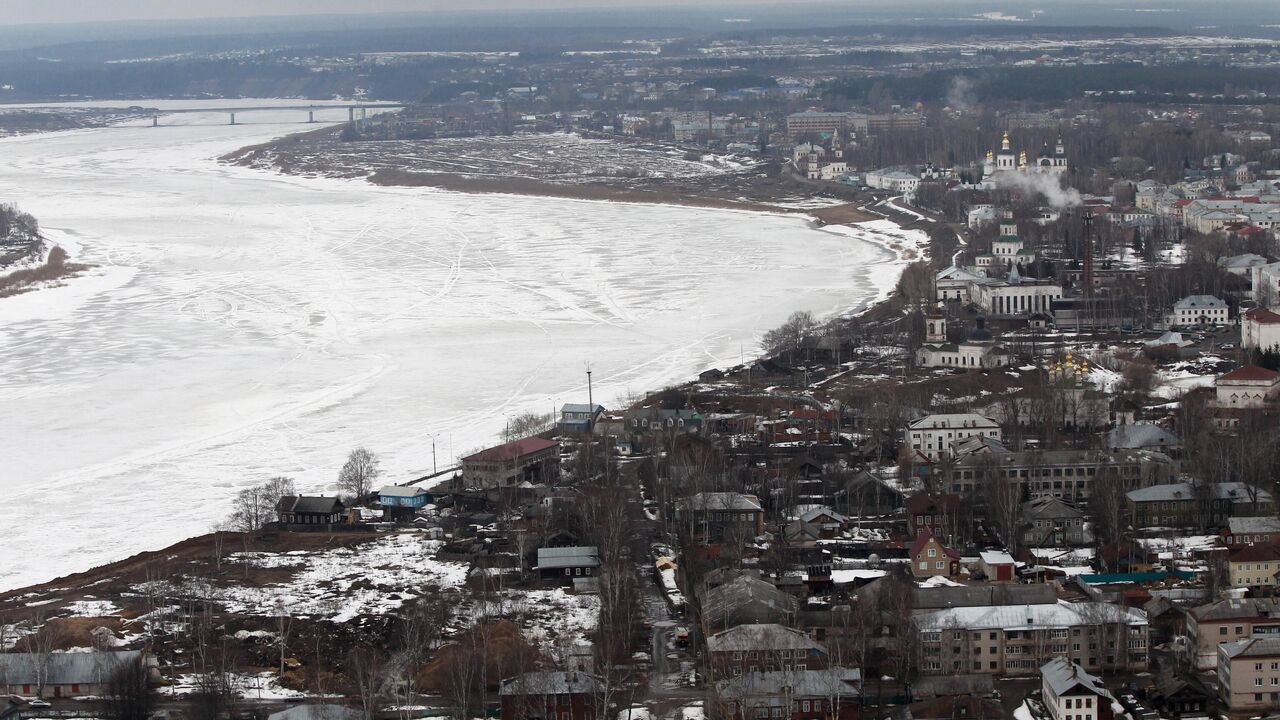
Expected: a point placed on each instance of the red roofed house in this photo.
(533, 459)
(930, 558)
(1248, 387)
(1260, 328)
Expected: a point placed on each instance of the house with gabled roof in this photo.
(551, 695)
(930, 558)
(1070, 693)
(828, 694)
(310, 512)
(763, 647)
(746, 599)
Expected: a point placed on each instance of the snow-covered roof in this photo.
(1027, 617)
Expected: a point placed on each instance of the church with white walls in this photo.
(1051, 162)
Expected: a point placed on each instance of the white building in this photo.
(1260, 328)
(979, 352)
(1266, 283)
(1070, 693)
(953, 283)
(1248, 387)
(1195, 310)
(931, 436)
(1014, 296)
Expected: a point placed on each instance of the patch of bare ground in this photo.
(538, 188)
(205, 556)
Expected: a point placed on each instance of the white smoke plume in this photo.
(1047, 185)
(960, 95)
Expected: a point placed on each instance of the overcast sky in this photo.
(57, 11)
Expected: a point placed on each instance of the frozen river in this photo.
(242, 325)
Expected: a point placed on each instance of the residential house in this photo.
(828, 521)
(1242, 531)
(1249, 674)
(867, 494)
(566, 563)
(826, 694)
(746, 599)
(722, 515)
(1178, 697)
(1197, 310)
(530, 460)
(1254, 567)
(657, 420)
(579, 417)
(1229, 620)
(400, 502)
(1019, 639)
(931, 436)
(552, 695)
(1195, 506)
(1054, 522)
(930, 558)
(1071, 693)
(63, 675)
(310, 512)
(763, 647)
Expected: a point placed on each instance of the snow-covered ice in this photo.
(243, 324)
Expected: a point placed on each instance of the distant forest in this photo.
(1058, 84)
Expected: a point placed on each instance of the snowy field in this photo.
(243, 324)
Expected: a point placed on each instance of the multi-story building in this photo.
(1198, 506)
(559, 694)
(813, 122)
(533, 459)
(1196, 310)
(1066, 474)
(1019, 639)
(1260, 328)
(1249, 674)
(1245, 531)
(1229, 620)
(829, 694)
(1254, 567)
(931, 436)
(763, 647)
(1054, 522)
(1071, 693)
(722, 515)
(1016, 295)
(943, 516)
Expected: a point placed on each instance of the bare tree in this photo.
(38, 644)
(128, 695)
(365, 666)
(359, 473)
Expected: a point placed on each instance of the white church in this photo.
(1052, 162)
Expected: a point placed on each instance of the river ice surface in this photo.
(242, 324)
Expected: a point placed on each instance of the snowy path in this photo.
(243, 324)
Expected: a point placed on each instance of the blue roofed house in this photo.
(401, 502)
(579, 417)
